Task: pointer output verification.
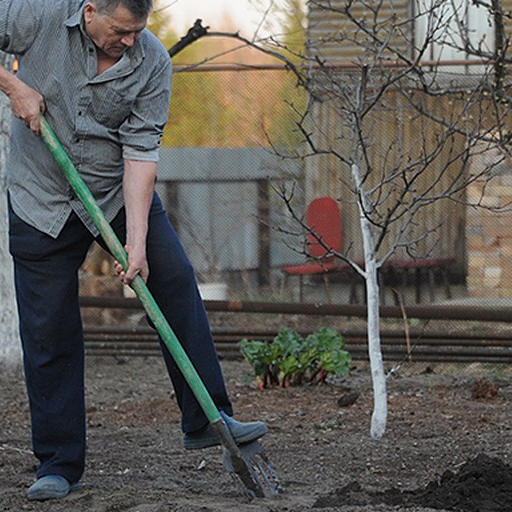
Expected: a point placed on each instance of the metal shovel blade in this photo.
(258, 478)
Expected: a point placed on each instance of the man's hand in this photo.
(27, 105)
(137, 265)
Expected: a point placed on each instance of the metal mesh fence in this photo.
(222, 182)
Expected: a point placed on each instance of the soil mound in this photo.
(483, 484)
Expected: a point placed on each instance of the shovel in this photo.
(248, 464)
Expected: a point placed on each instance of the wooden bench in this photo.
(323, 218)
(402, 268)
(394, 270)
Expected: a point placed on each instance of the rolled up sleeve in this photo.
(141, 133)
(141, 156)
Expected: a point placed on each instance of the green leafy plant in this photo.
(291, 360)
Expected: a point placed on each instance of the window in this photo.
(448, 30)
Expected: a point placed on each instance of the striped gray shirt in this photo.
(100, 119)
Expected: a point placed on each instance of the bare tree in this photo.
(402, 131)
(10, 347)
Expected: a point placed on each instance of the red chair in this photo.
(323, 217)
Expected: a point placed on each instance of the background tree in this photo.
(10, 347)
(292, 43)
(215, 102)
(160, 23)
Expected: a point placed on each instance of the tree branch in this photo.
(198, 31)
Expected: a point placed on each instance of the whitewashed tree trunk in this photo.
(10, 351)
(380, 401)
(371, 267)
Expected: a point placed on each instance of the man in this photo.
(103, 82)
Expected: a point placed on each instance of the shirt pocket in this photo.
(109, 107)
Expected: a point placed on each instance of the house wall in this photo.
(389, 131)
(392, 143)
(326, 20)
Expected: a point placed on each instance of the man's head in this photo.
(139, 8)
(115, 25)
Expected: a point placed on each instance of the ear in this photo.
(90, 11)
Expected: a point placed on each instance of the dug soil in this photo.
(447, 446)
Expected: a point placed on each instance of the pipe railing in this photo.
(437, 345)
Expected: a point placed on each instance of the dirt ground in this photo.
(447, 446)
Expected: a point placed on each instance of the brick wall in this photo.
(489, 228)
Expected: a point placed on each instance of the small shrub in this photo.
(291, 360)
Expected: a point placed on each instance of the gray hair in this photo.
(139, 8)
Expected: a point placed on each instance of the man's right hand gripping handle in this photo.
(26, 103)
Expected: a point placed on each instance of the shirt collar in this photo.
(75, 20)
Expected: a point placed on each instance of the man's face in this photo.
(112, 33)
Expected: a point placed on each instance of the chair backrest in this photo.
(324, 218)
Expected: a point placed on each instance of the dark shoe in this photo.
(51, 487)
(241, 432)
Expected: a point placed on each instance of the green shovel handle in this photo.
(139, 286)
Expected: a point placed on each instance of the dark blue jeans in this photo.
(46, 278)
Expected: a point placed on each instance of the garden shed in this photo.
(222, 205)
